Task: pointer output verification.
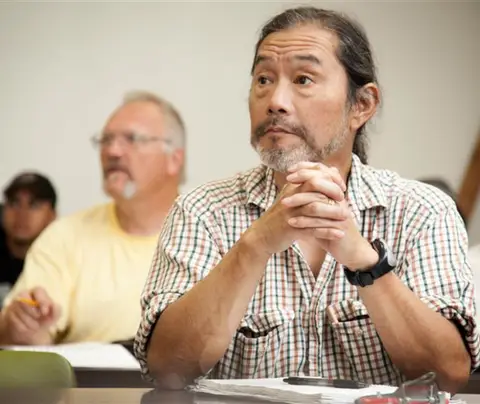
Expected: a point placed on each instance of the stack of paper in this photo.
(277, 390)
(88, 355)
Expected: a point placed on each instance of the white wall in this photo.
(65, 66)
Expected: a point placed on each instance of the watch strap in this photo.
(384, 265)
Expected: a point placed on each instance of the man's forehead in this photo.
(23, 194)
(308, 38)
(134, 116)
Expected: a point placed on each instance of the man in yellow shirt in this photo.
(84, 275)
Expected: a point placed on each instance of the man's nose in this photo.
(281, 100)
(22, 213)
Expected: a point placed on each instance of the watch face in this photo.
(392, 261)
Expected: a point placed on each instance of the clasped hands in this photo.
(312, 206)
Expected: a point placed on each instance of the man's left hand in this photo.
(351, 250)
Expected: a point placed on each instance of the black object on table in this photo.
(109, 378)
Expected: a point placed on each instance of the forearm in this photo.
(192, 334)
(416, 338)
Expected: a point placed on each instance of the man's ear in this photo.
(53, 215)
(175, 162)
(367, 101)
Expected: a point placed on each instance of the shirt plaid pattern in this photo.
(296, 324)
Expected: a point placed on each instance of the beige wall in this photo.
(64, 66)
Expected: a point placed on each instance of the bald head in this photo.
(142, 146)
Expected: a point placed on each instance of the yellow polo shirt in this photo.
(94, 271)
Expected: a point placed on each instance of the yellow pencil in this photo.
(28, 301)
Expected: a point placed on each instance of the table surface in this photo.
(87, 378)
(132, 379)
(144, 396)
(141, 396)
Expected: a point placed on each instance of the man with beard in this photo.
(29, 206)
(84, 275)
(313, 263)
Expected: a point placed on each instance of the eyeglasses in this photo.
(129, 139)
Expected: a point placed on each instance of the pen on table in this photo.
(28, 301)
(319, 382)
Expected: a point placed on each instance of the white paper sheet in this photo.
(89, 355)
(278, 391)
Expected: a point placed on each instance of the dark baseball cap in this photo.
(36, 184)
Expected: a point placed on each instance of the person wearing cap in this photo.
(29, 207)
(84, 275)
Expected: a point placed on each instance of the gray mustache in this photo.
(297, 130)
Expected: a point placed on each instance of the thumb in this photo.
(24, 294)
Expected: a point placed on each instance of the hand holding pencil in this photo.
(27, 319)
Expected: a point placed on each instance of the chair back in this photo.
(28, 369)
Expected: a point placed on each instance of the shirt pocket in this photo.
(257, 343)
(361, 344)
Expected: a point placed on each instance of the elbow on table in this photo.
(174, 374)
(453, 375)
(159, 368)
(175, 368)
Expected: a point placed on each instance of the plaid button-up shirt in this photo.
(296, 324)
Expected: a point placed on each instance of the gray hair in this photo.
(353, 52)
(176, 132)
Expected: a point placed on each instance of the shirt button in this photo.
(358, 332)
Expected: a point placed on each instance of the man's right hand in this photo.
(272, 233)
(27, 324)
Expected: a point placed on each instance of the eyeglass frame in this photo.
(131, 139)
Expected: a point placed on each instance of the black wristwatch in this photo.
(385, 264)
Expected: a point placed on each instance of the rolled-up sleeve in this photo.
(185, 253)
(436, 268)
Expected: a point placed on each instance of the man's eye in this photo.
(35, 205)
(106, 139)
(262, 80)
(133, 138)
(303, 80)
